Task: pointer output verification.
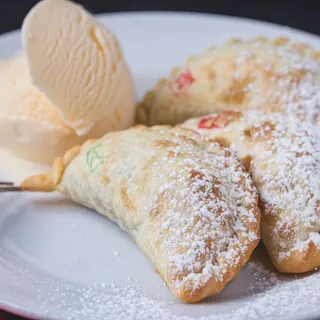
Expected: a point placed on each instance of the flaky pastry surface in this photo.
(283, 157)
(271, 75)
(186, 201)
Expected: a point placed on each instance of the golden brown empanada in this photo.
(187, 202)
(284, 159)
(270, 75)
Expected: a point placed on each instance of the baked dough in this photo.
(187, 202)
(270, 75)
(283, 158)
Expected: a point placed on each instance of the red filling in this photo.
(219, 121)
(183, 81)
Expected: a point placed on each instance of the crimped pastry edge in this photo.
(48, 182)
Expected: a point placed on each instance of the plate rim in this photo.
(11, 307)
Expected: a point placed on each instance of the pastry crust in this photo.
(187, 202)
(49, 181)
(270, 75)
(283, 158)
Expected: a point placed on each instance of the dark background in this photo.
(300, 14)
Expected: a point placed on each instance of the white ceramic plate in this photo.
(61, 261)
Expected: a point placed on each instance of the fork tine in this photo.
(6, 183)
(6, 186)
(10, 188)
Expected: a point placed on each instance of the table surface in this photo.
(7, 316)
(298, 14)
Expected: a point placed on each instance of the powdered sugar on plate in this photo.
(257, 293)
(107, 300)
(287, 297)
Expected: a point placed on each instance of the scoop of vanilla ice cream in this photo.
(70, 84)
(30, 126)
(77, 63)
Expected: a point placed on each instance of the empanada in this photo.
(187, 202)
(270, 75)
(283, 158)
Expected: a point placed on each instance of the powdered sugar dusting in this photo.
(280, 296)
(269, 295)
(299, 97)
(265, 278)
(292, 190)
(209, 230)
(191, 207)
(292, 78)
(285, 165)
